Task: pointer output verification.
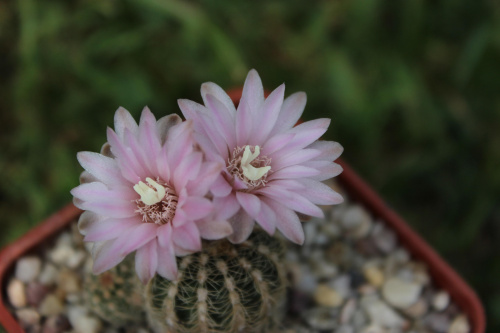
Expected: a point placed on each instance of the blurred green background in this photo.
(411, 86)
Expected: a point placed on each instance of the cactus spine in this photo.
(225, 288)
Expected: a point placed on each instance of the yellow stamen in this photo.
(251, 172)
(150, 195)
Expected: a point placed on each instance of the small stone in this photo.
(374, 275)
(306, 281)
(325, 269)
(61, 254)
(56, 324)
(28, 317)
(345, 329)
(36, 292)
(28, 268)
(441, 300)
(348, 311)
(459, 325)
(342, 285)
(384, 238)
(359, 318)
(438, 322)
(356, 221)
(400, 293)
(48, 276)
(327, 296)
(17, 293)
(51, 305)
(68, 281)
(76, 259)
(417, 310)
(321, 318)
(373, 329)
(82, 322)
(382, 314)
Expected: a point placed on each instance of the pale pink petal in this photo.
(276, 142)
(106, 256)
(253, 92)
(215, 135)
(197, 208)
(214, 229)
(187, 237)
(97, 191)
(164, 234)
(249, 202)
(330, 150)
(116, 209)
(129, 165)
(300, 204)
(294, 171)
(222, 119)
(103, 168)
(266, 218)
(244, 124)
(164, 124)
(180, 143)
(326, 169)
(287, 222)
(180, 217)
(242, 224)
(148, 138)
(239, 184)
(135, 237)
(319, 193)
(137, 150)
(206, 178)
(146, 261)
(292, 109)
(269, 114)
(210, 88)
(167, 265)
(306, 133)
(109, 229)
(187, 170)
(123, 120)
(225, 207)
(87, 219)
(220, 187)
(162, 164)
(294, 158)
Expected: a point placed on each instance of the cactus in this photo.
(225, 288)
(116, 295)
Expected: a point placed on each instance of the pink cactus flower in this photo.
(146, 192)
(273, 169)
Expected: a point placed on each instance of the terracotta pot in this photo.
(444, 276)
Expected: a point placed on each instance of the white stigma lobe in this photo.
(251, 172)
(149, 195)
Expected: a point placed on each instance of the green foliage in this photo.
(411, 87)
(223, 289)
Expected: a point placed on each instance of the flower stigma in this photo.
(249, 171)
(150, 195)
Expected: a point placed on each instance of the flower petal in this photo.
(326, 169)
(294, 171)
(269, 114)
(287, 222)
(208, 174)
(164, 124)
(109, 229)
(187, 237)
(123, 121)
(276, 142)
(106, 256)
(220, 187)
(103, 168)
(330, 150)
(266, 218)
(303, 155)
(146, 261)
(242, 225)
(225, 207)
(214, 229)
(148, 138)
(135, 237)
(319, 193)
(116, 209)
(210, 88)
(187, 170)
(249, 202)
(197, 208)
(292, 109)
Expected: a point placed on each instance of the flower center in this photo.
(250, 167)
(157, 203)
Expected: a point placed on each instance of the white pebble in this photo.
(48, 276)
(326, 296)
(400, 293)
(76, 259)
(82, 322)
(28, 316)
(51, 305)
(441, 300)
(382, 314)
(16, 291)
(459, 325)
(28, 268)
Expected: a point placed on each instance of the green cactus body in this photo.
(225, 288)
(116, 295)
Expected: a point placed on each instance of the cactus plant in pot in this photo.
(193, 207)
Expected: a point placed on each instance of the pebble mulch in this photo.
(350, 276)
